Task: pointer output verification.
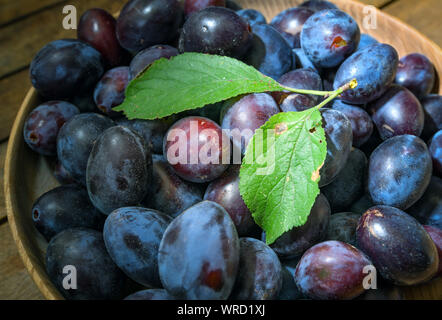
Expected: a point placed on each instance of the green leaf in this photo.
(279, 176)
(190, 81)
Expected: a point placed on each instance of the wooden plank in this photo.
(287, 4)
(376, 3)
(15, 282)
(21, 41)
(12, 92)
(424, 16)
(13, 9)
(3, 147)
(431, 290)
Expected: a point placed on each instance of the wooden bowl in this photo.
(28, 175)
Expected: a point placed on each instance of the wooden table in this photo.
(27, 25)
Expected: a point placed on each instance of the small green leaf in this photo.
(280, 171)
(190, 81)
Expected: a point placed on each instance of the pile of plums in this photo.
(137, 224)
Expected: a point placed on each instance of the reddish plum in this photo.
(332, 270)
(97, 27)
(197, 149)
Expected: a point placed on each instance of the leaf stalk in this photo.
(350, 85)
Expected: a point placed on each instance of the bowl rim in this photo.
(15, 136)
(49, 292)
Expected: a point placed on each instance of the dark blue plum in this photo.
(150, 294)
(216, 30)
(259, 274)
(85, 101)
(97, 27)
(110, 90)
(366, 40)
(192, 6)
(329, 37)
(269, 53)
(372, 143)
(397, 112)
(435, 148)
(289, 290)
(342, 227)
(348, 186)
(432, 105)
(416, 73)
(76, 139)
(119, 170)
(62, 176)
(132, 236)
(232, 4)
(296, 102)
(146, 57)
(290, 264)
(152, 131)
(98, 278)
(169, 193)
(225, 191)
(428, 210)
(294, 242)
(374, 67)
(199, 254)
(339, 135)
(246, 115)
(144, 23)
(361, 123)
(290, 22)
(302, 61)
(400, 248)
(63, 208)
(331, 270)
(252, 16)
(200, 157)
(318, 5)
(436, 236)
(399, 171)
(211, 111)
(328, 77)
(299, 79)
(65, 68)
(362, 204)
(43, 124)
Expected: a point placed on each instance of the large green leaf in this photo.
(279, 176)
(190, 81)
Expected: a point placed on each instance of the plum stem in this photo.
(350, 85)
(306, 91)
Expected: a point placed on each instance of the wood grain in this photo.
(22, 185)
(3, 147)
(21, 41)
(15, 282)
(424, 16)
(427, 291)
(12, 92)
(13, 9)
(376, 3)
